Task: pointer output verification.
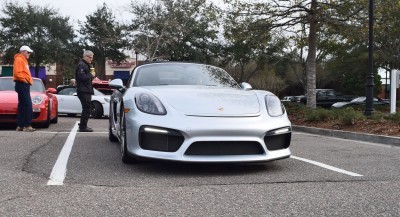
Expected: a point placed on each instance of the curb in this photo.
(387, 140)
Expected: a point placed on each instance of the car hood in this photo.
(8, 97)
(209, 101)
(11, 97)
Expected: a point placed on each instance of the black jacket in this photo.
(83, 78)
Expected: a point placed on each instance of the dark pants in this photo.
(24, 115)
(86, 100)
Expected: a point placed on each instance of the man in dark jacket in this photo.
(84, 88)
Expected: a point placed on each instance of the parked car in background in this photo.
(196, 113)
(102, 86)
(299, 99)
(360, 101)
(287, 99)
(44, 104)
(325, 98)
(69, 102)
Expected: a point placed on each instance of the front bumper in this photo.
(209, 139)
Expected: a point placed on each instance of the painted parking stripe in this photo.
(59, 171)
(326, 166)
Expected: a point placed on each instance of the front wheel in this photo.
(46, 123)
(55, 119)
(111, 136)
(126, 158)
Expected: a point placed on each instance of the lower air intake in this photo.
(225, 148)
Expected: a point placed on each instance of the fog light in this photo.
(36, 109)
(155, 130)
(283, 130)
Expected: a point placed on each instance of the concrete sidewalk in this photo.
(388, 140)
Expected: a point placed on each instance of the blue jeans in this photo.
(24, 115)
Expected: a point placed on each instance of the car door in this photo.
(68, 101)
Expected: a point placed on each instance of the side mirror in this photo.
(116, 84)
(245, 86)
(75, 94)
(52, 90)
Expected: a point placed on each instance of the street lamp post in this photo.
(369, 106)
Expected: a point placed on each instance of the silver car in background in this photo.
(192, 112)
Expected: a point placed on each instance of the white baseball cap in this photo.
(25, 48)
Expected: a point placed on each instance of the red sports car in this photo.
(45, 105)
(102, 86)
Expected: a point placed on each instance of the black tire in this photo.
(96, 110)
(55, 120)
(46, 124)
(111, 136)
(126, 158)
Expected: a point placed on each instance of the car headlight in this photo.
(274, 106)
(148, 103)
(37, 100)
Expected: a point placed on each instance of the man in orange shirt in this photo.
(23, 81)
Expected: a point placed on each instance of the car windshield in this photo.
(8, 84)
(182, 74)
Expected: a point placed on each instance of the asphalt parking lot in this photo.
(326, 176)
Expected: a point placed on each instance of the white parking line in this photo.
(50, 132)
(326, 166)
(59, 171)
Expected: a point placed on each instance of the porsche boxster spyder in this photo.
(191, 112)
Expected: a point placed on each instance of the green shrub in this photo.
(295, 108)
(346, 116)
(378, 115)
(349, 116)
(319, 114)
(394, 117)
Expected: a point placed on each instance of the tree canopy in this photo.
(103, 35)
(42, 28)
(175, 30)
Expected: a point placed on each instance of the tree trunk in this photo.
(311, 57)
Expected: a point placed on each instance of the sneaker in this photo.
(87, 129)
(29, 129)
(19, 129)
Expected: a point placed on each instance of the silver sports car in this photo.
(195, 113)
